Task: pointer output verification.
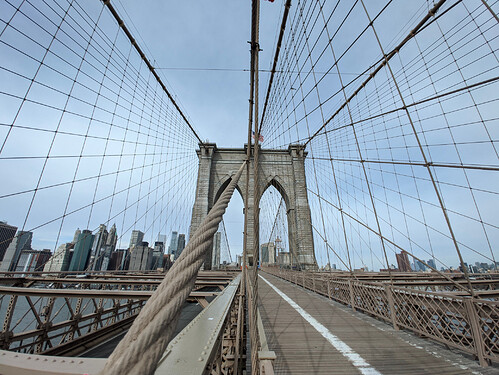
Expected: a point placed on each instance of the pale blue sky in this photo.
(197, 40)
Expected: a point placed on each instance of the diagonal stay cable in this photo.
(149, 65)
(413, 32)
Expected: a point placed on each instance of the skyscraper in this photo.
(27, 261)
(136, 238)
(32, 260)
(112, 238)
(167, 261)
(162, 238)
(431, 263)
(105, 257)
(403, 262)
(43, 258)
(272, 253)
(117, 259)
(419, 266)
(141, 257)
(216, 250)
(77, 233)
(22, 241)
(180, 245)
(283, 258)
(98, 248)
(268, 252)
(172, 249)
(157, 256)
(61, 259)
(264, 253)
(7, 233)
(81, 254)
(102, 262)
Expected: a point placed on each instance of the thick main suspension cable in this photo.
(141, 349)
(276, 58)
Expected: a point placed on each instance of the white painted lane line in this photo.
(359, 362)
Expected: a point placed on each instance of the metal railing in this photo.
(64, 315)
(468, 324)
(36, 322)
(212, 343)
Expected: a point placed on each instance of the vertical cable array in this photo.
(274, 228)
(89, 133)
(397, 105)
(225, 254)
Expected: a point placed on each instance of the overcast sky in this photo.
(200, 49)
(207, 35)
(214, 35)
(210, 36)
(199, 39)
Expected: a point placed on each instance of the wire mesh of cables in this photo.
(397, 104)
(89, 135)
(221, 248)
(274, 247)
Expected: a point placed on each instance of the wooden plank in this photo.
(301, 349)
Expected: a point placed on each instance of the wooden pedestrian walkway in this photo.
(312, 335)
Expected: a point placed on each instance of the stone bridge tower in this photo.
(283, 169)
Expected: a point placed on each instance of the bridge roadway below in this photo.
(319, 336)
(103, 350)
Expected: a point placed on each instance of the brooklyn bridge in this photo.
(342, 217)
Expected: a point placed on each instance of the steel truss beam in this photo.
(57, 317)
(209, 343)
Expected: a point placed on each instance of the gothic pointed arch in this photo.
(283, 169)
